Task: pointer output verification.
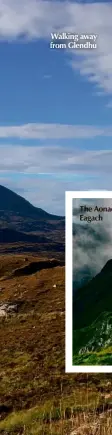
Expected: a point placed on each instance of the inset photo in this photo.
(89, 281)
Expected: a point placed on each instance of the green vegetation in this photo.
(92, 326)
(95, 358)
(93, 345)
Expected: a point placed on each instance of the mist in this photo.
(92, 242)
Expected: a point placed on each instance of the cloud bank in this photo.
(55, 159)
(33, 19)
(92, 242)
(54, 131)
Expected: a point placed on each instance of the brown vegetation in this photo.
(36, 396)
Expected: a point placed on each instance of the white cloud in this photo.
(30, 18)
(37, 19)
(54, 159)
(54, 131)
(47, 76)
(49, 194)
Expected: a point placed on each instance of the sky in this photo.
(55, 104)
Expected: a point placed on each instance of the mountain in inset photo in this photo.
(92, 320)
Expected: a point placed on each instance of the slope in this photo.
(97, 293)
(31, 227)
(12, 202)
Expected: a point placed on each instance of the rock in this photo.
(7, 308)
(3, 313)
(54, 285)
(13, 308)
(3, 306)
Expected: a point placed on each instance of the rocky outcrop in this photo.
(8, 308)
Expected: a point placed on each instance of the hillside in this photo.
(32, 228)
(11, 236)
(36, 396)
(97, 294)
(92, 337)
(12, 202)
(93, 344)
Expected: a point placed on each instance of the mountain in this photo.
(12, 236)
(107, 268)
(96, 294)
(21, 222)
(14, 203)
(92, 320)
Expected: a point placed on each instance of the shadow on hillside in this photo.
(36, 267)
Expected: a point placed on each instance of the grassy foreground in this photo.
(36, 396)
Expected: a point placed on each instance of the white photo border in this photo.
(69, 196)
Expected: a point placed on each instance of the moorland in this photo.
(36, 396)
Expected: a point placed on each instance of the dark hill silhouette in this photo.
(21, 222)
(37, 266)
(108, 267)
(11, 236)
(94, 298)
(12, 202)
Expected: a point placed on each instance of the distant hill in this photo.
(21, 222)
(12, 202)
(12, 236)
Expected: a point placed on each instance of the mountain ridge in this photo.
(93, 292)
(92, 328)
(11, 201)
(21, 222)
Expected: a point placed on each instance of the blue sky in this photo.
(55, 105)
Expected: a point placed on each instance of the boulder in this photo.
(6, 308)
